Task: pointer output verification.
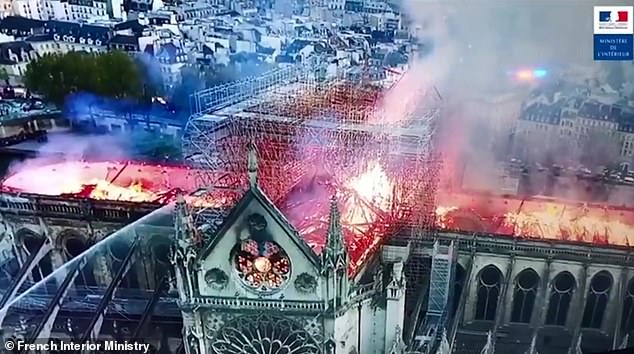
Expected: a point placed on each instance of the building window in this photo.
(119, 250)
(526, 285)
(627, 323)
(74, 245)
(597, 301)
(562, 289)
(489, 286)
(31, 243)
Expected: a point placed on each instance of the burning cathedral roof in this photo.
(118, 181)
(531, 218)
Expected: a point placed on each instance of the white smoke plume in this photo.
(471, 48)
(475, 43)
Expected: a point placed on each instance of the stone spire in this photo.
(335, 260)
(335, 254)
(184, 250)
(252, 165)
(182, 225)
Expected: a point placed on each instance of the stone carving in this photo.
(216, 278)
(256, 222)
(263, 334)
(313, 327)
(193, 344)
(213, 324)
(305, 283)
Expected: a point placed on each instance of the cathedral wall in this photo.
(463, 260)
(481, 261)
(373, 332)
(60, 230)
(347, 331)
(216, 330)
(593, 312)
(222, 257)
(521, 264)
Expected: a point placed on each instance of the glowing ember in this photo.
(538, 218)
(122, 181)
(557, 223)
(374, 190)
(442, 216)
(104, 190)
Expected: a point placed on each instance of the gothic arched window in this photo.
(597, 300)
(489, 286)
(119, 249)
(561, 291)
(31, 243)
(627, 322)
(526, 285)
(75, 246)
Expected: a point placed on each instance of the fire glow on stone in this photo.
(366, 202)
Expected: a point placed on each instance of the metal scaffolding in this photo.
(319, 136)
(431, 330)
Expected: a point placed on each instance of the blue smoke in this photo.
(88, 107)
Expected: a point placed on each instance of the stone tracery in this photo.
(263, 334)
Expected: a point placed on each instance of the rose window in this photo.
(262, 266)
(263, 334)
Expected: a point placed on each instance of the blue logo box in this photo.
(613, 47)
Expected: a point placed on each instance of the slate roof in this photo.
(44, 37)
(20, 23)
(264, 50)
(244, 57)
(168, 52)
(626, 122)
(231, 13)
(395, 58)
(285, 59)
(598, 111)
(295, 46)
(16, 47)
(545, 113)
(132, 25)
(77, 32)
(124, 40)
(207, 50)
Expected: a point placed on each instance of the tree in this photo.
(111, 74)
(4, 75)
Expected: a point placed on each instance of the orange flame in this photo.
(374, 189)
(104, 190)
(550, 221)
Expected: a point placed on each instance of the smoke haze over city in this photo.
(473, 49)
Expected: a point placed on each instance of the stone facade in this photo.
(256, 284)
(521, 291)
